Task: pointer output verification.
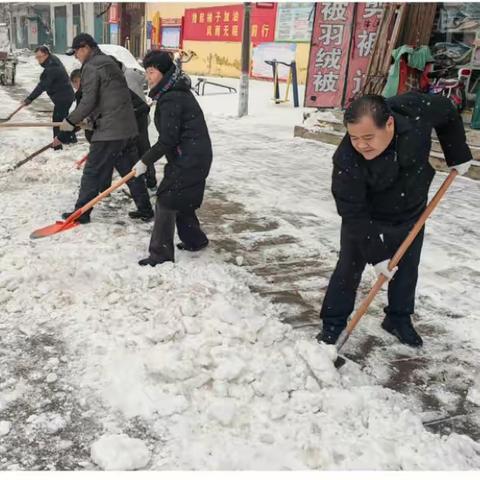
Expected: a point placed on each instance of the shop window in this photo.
(170, 37)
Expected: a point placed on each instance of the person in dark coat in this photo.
(184, 139)
(106, 102)
(380, 182)
(54, 80)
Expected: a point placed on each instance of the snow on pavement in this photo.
(183, 361)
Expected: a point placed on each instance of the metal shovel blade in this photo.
(57, 227)
(339, 362)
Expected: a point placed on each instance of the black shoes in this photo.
(85, 218)
(150, 261)
(403, 330)
(144, 215)
(191, 248)
(330, 334)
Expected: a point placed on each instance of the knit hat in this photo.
(162, 61)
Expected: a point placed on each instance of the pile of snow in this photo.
(120, 452)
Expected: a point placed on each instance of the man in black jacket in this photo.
(54, 80)
(381, 176)
(106, 101)
(183, 138)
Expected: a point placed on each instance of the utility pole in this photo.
(243, 90)
(10, 28)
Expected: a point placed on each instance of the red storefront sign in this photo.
(329, 54)
(331, 66)
(114, 13)
(368, 16)
(225, 23)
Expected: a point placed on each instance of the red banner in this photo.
(114, 13)
(368, 18)
(225, 23)
(332, 31)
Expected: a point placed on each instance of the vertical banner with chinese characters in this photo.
(368, 18)
(332, 31)
(114, 13)
(224, 24)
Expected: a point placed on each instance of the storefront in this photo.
(455, 40)
(214, 32)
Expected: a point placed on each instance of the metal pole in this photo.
(243, 94)
(13, 41)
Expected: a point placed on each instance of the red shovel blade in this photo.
(57, 227)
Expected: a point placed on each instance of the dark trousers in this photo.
(188, 227)
(103, 157)
(60, 111)
(143, 145)
(339, 299)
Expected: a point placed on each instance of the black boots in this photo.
(330, 334)
(85, 218)
(191, 248)
(150, 261)
(144, 215)
(403, 329)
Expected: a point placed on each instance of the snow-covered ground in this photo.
(104, 364)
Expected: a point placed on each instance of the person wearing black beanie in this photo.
(184, 140)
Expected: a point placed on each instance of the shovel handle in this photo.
(31, 156)
(33, 124)
(16, 111)
(78, 213)
(395, 259)
(29, 124)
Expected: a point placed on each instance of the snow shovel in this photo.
(33, 155)
(12, 114)
(340, 361)
(71, 221)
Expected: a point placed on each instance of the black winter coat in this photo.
(53, 80)
(184, 139)
(393, 188)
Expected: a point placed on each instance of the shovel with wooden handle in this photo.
(29, 124)
(34, 124)
(12, 114)
(71, 221)
(340, 361)
(33, 155)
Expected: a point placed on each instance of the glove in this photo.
(66, 126)
(382, 269)
(462, 168)
(26, 102)
(140, 168)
